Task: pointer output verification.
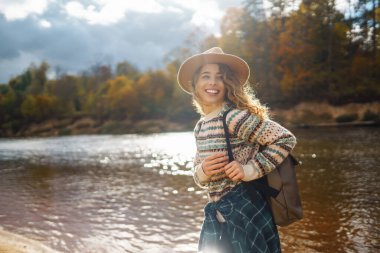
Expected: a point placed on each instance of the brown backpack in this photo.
(279, 187)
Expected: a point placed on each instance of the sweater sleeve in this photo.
(200, 178)
(276, 141)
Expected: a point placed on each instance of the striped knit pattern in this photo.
(247, 134)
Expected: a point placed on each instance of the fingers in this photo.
(214, 164)
(218, 163)
(234, 171)
(211, 172)
(218, 166)
(237, 177)
(217, 158)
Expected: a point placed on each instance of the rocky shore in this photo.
(326, 115)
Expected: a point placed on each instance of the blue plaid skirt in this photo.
(249, 225)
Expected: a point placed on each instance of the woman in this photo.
(235, 221)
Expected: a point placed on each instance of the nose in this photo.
(212, 81)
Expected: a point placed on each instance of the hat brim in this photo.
(189, 66)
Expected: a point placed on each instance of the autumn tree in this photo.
(38, 107)
(18, 89)
(128, 70)
(259, 40)
(7, 103)
(179, 104)
(121, 98)
(155, 90)
(38, 78)
(65, 89)
(311, 50)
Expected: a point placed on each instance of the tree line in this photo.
(99, 93)
(307, 51)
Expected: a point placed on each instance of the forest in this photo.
(308, 52)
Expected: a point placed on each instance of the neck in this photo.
(210, 108)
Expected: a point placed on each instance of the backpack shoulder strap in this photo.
(261, 183)
(227, 135)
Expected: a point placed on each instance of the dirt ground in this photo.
(13, 243)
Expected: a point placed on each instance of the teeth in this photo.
(212, 91)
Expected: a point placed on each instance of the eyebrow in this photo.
(208, 72)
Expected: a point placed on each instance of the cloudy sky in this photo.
(75, 35)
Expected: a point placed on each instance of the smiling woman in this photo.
(236, 221)
(209, 88)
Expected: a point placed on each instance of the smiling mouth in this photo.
(212, 91)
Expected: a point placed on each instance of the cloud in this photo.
(44, 23)
(78, 34)
(14, 10)
(111, 11)
(142, 39)
(207, 15)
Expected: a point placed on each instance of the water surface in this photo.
(135, 193)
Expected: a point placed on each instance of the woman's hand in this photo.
(214, 164)
(234, 171)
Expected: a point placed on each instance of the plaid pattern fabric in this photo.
(249, 224)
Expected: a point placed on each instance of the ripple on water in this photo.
(133, 193)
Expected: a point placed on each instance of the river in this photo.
(135, 193)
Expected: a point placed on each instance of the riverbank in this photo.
(309, 114)
(14, 243)
(88, 125)
(314, 114)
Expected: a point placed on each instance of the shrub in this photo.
(346, 118)
(370, 116)
(64, 131)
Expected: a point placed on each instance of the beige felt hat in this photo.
(213, 55)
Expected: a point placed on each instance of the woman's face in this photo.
(210, 87)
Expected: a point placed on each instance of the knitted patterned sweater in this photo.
(247, 133)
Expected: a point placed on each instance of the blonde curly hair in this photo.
(240, 96)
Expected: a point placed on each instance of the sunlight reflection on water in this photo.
(134, 193)
(98, 193)
(173, 151)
